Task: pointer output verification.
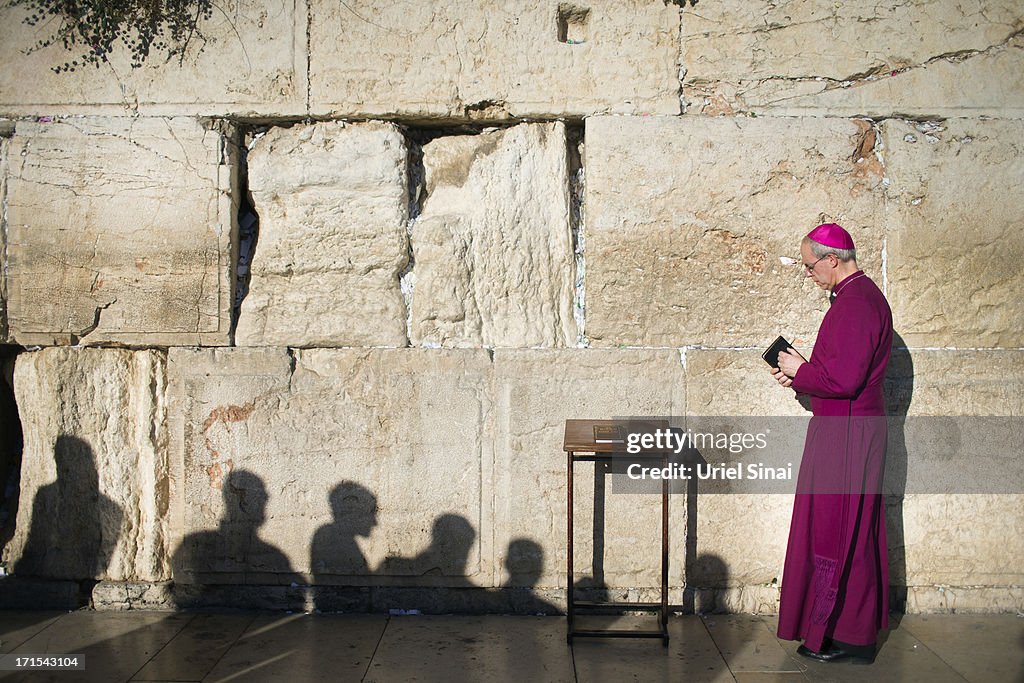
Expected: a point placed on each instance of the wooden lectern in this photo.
(581, 444)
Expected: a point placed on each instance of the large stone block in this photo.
(617, 535)
(926, 58)
(333, 205)
(331, 466)
(958, 540)
(923, 383)
(248, 59)
(120, 231)
(491, 60)
(493, 247)
(955, 204)
(699, 245)
(94, 474)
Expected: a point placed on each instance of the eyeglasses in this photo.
(809, 268)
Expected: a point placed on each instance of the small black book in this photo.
(771, 355)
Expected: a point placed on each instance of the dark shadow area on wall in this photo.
(707, 575)
(418, 137)
(524, 563)
(899, 385)
(451, 539)
(11, 444)
(234, 554)
(74, 527)
(335, 554)
(434, 580)
(232, 567)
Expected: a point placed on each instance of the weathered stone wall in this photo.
(493, 242)
(487, 60)
(501, 217)
(251, 60)
(95, 470)
(120, 230)
(333, 205)
(925, 59)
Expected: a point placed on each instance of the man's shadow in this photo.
(524, 563)
(335, 557)
(74, 528)
(451, 540)
(233, 553)
(899, 390)
(11, 445)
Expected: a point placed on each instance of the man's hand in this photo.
(789, 362)
(780, 377)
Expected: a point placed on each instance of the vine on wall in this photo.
(95, 27)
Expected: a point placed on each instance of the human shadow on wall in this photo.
(11, 442)
(524, 563)
(74, 528)
(899, 386)
(339, 566)
(334, 553)
(707, 579)
(233, 553)
(451, 540)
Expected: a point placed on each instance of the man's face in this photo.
(820, 271)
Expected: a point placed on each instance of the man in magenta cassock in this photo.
(835, 585)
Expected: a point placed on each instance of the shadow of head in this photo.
(452, 537)
(524, 562)
(76, 464)
(354, 508)
(245, 498)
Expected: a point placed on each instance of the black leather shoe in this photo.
(833, 653)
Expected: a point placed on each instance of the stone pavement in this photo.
(180, 646)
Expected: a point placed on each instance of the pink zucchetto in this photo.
(831, 235)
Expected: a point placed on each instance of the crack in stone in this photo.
(870, 75)
(76, 338)
(681, 69)
(575, 139)
(415, 187)
(309, 54)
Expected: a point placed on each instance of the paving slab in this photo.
(115, 644)
(197, 648)
(302, 647)
(478, 648)
(748, 644)
(901, 657)
(980, 648)
(18, 626)
(166, 647)
(691, 654)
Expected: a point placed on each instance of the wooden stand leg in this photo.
(664, 556)
(569, 608)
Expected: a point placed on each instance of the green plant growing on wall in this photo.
(95, 27)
